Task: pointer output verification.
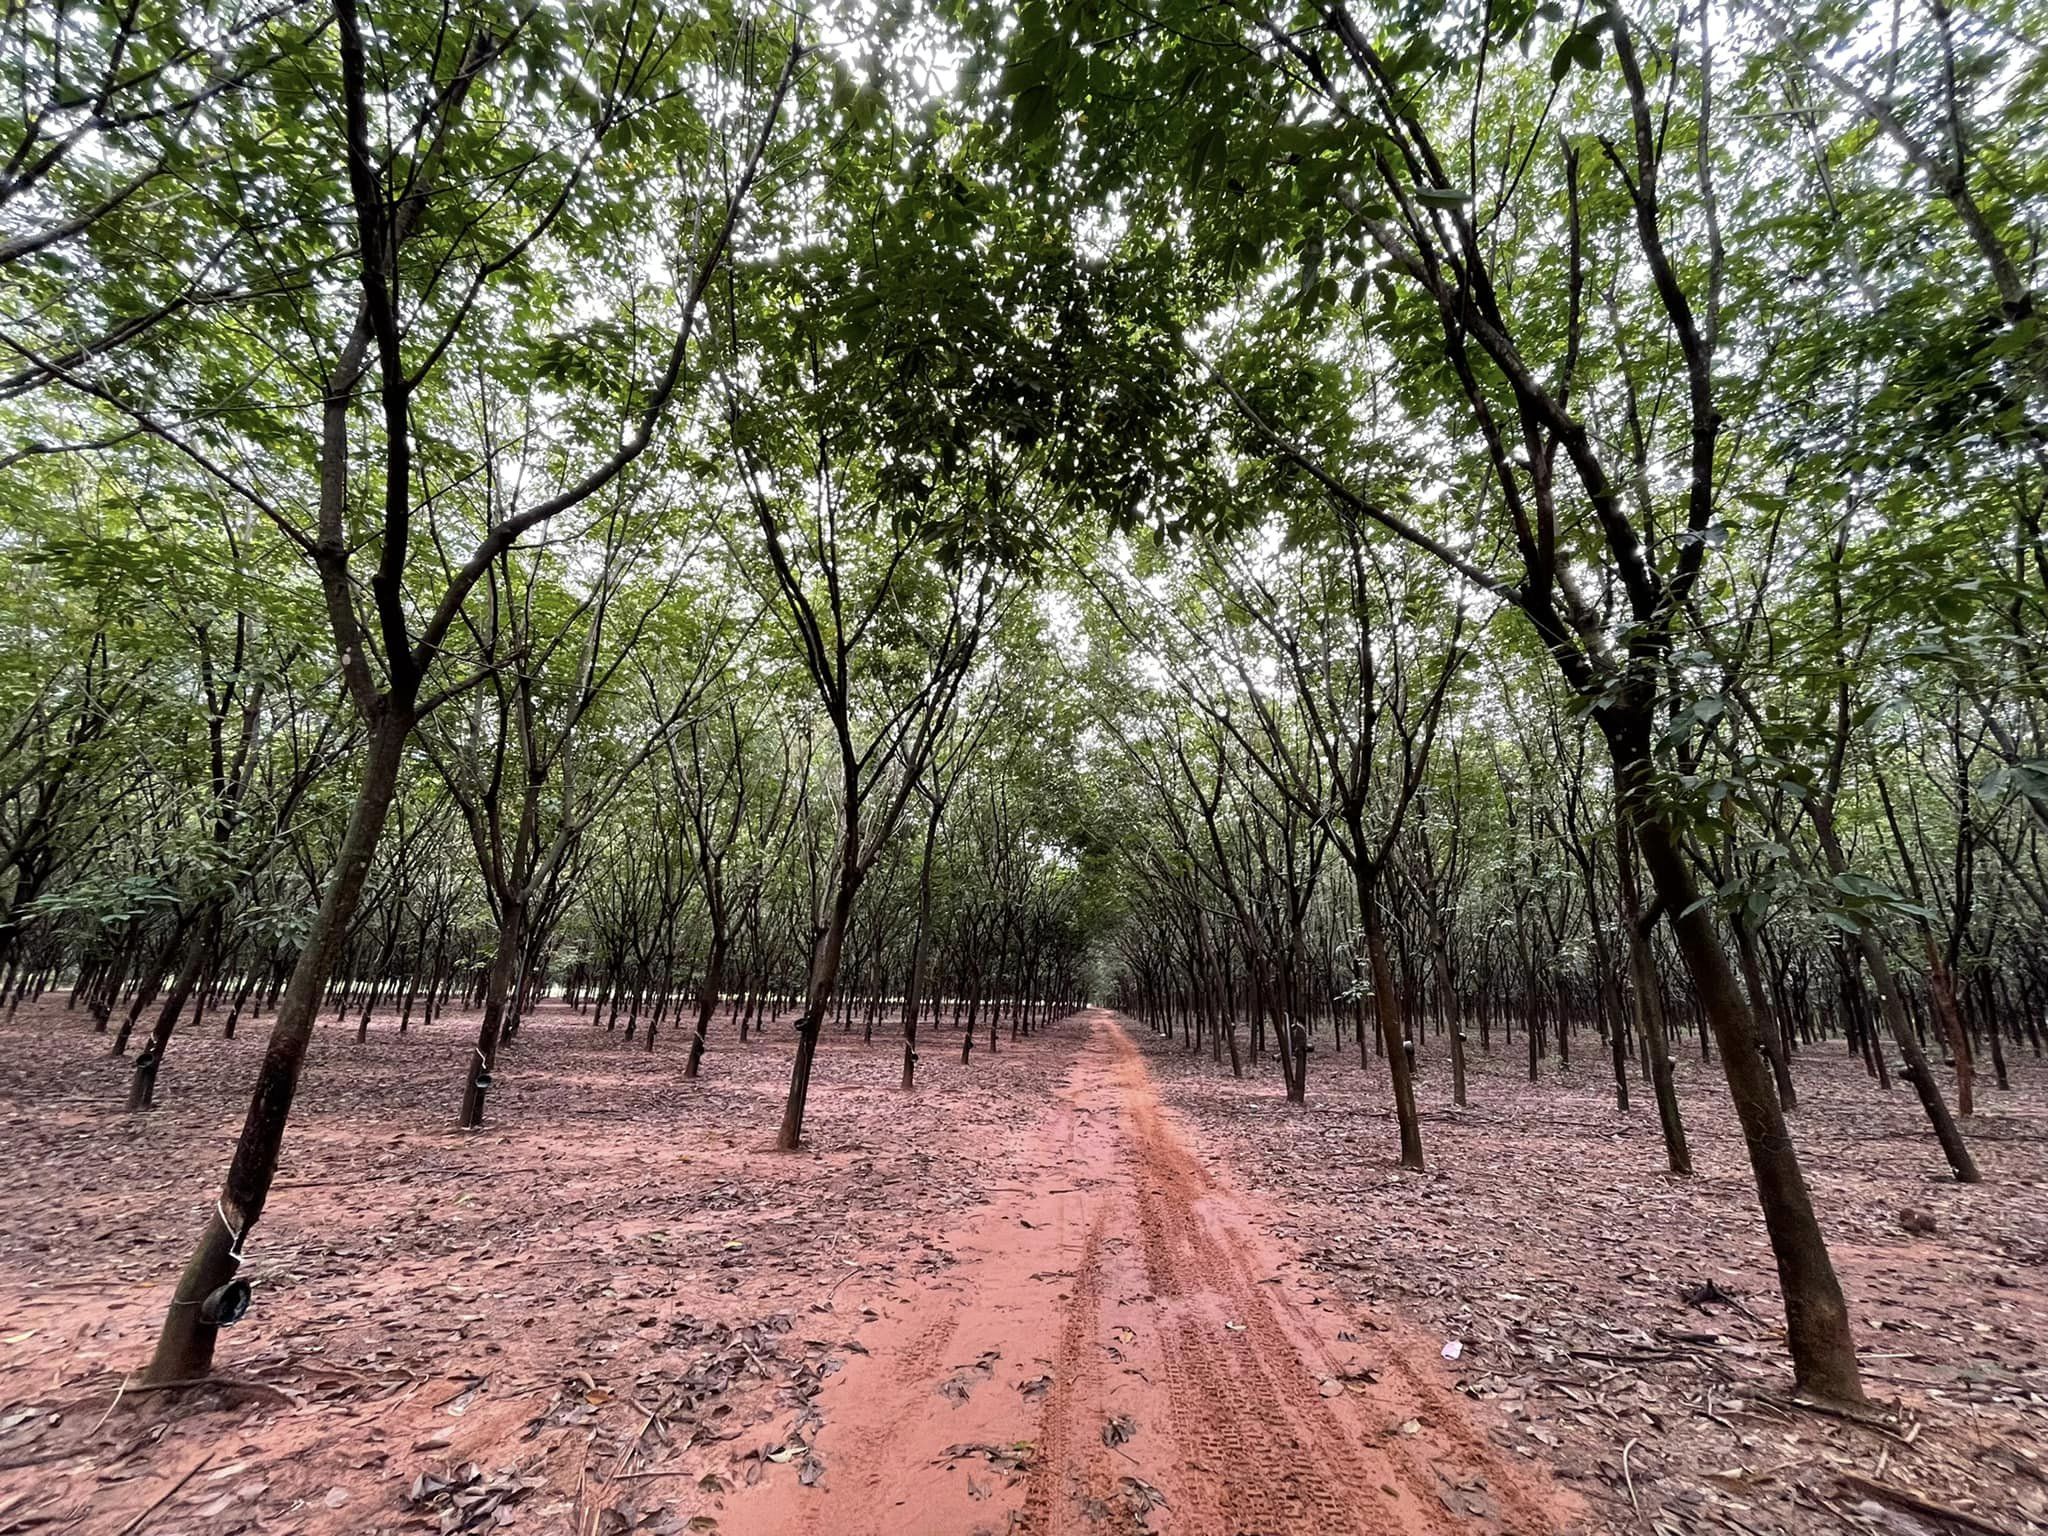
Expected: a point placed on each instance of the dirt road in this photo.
(1117, 1349)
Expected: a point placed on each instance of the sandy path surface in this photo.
(1117, 1349)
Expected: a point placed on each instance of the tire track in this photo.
(1064, 1475)
(1276, 1458)
(1186, 1391)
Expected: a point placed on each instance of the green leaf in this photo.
(1035, 113)
(1580, 47)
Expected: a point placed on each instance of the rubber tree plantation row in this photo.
(1361, 537)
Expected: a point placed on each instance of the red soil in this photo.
(1117, 1350)
(1029, 1297)
(1547, 1239)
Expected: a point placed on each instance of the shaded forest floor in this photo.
(615, 1310)
(1549, 1244)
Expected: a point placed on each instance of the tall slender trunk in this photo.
(412, 991)
(149, 1061)
(151, 981)
(184, 1348)
(1453, 1021)
(913, 993)
(1941, 992)
(824, 979)
(227, 1030)
(707, 995)
(1770, 1039)
(504, 974)
(1226, 1021)
(1893, 1007)
(1918, 1071)
(1649, 1004)
(1387, 1008)
(974, 1018)
(1816, 1315)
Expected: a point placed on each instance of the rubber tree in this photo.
(422, 267)
(535, 758)
(1860, 903)
(879, 747)
(936, 786)
(901, 486)
(1370, 669)
(739, 828)
(266, 745)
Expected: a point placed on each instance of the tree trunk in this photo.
(150, 1060)
(824, 979)
(1440, 952)
(707, 997)
(1388, 1009)
(1769, 1038)
(1941, 992)
(497, 993)
(1649, 1004)
(184, 1348)
(1917, 1070)
(150, 982)
(227, 1030)
(1816, 1315)
(1918, 1073)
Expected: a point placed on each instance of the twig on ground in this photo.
(1920, 1504)
(123, 1387)
(843, 1279)
(165, 1497)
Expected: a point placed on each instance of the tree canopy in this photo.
(1387, 524)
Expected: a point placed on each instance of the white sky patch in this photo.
(1059, 619)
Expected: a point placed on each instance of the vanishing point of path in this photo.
(1119, 1350)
